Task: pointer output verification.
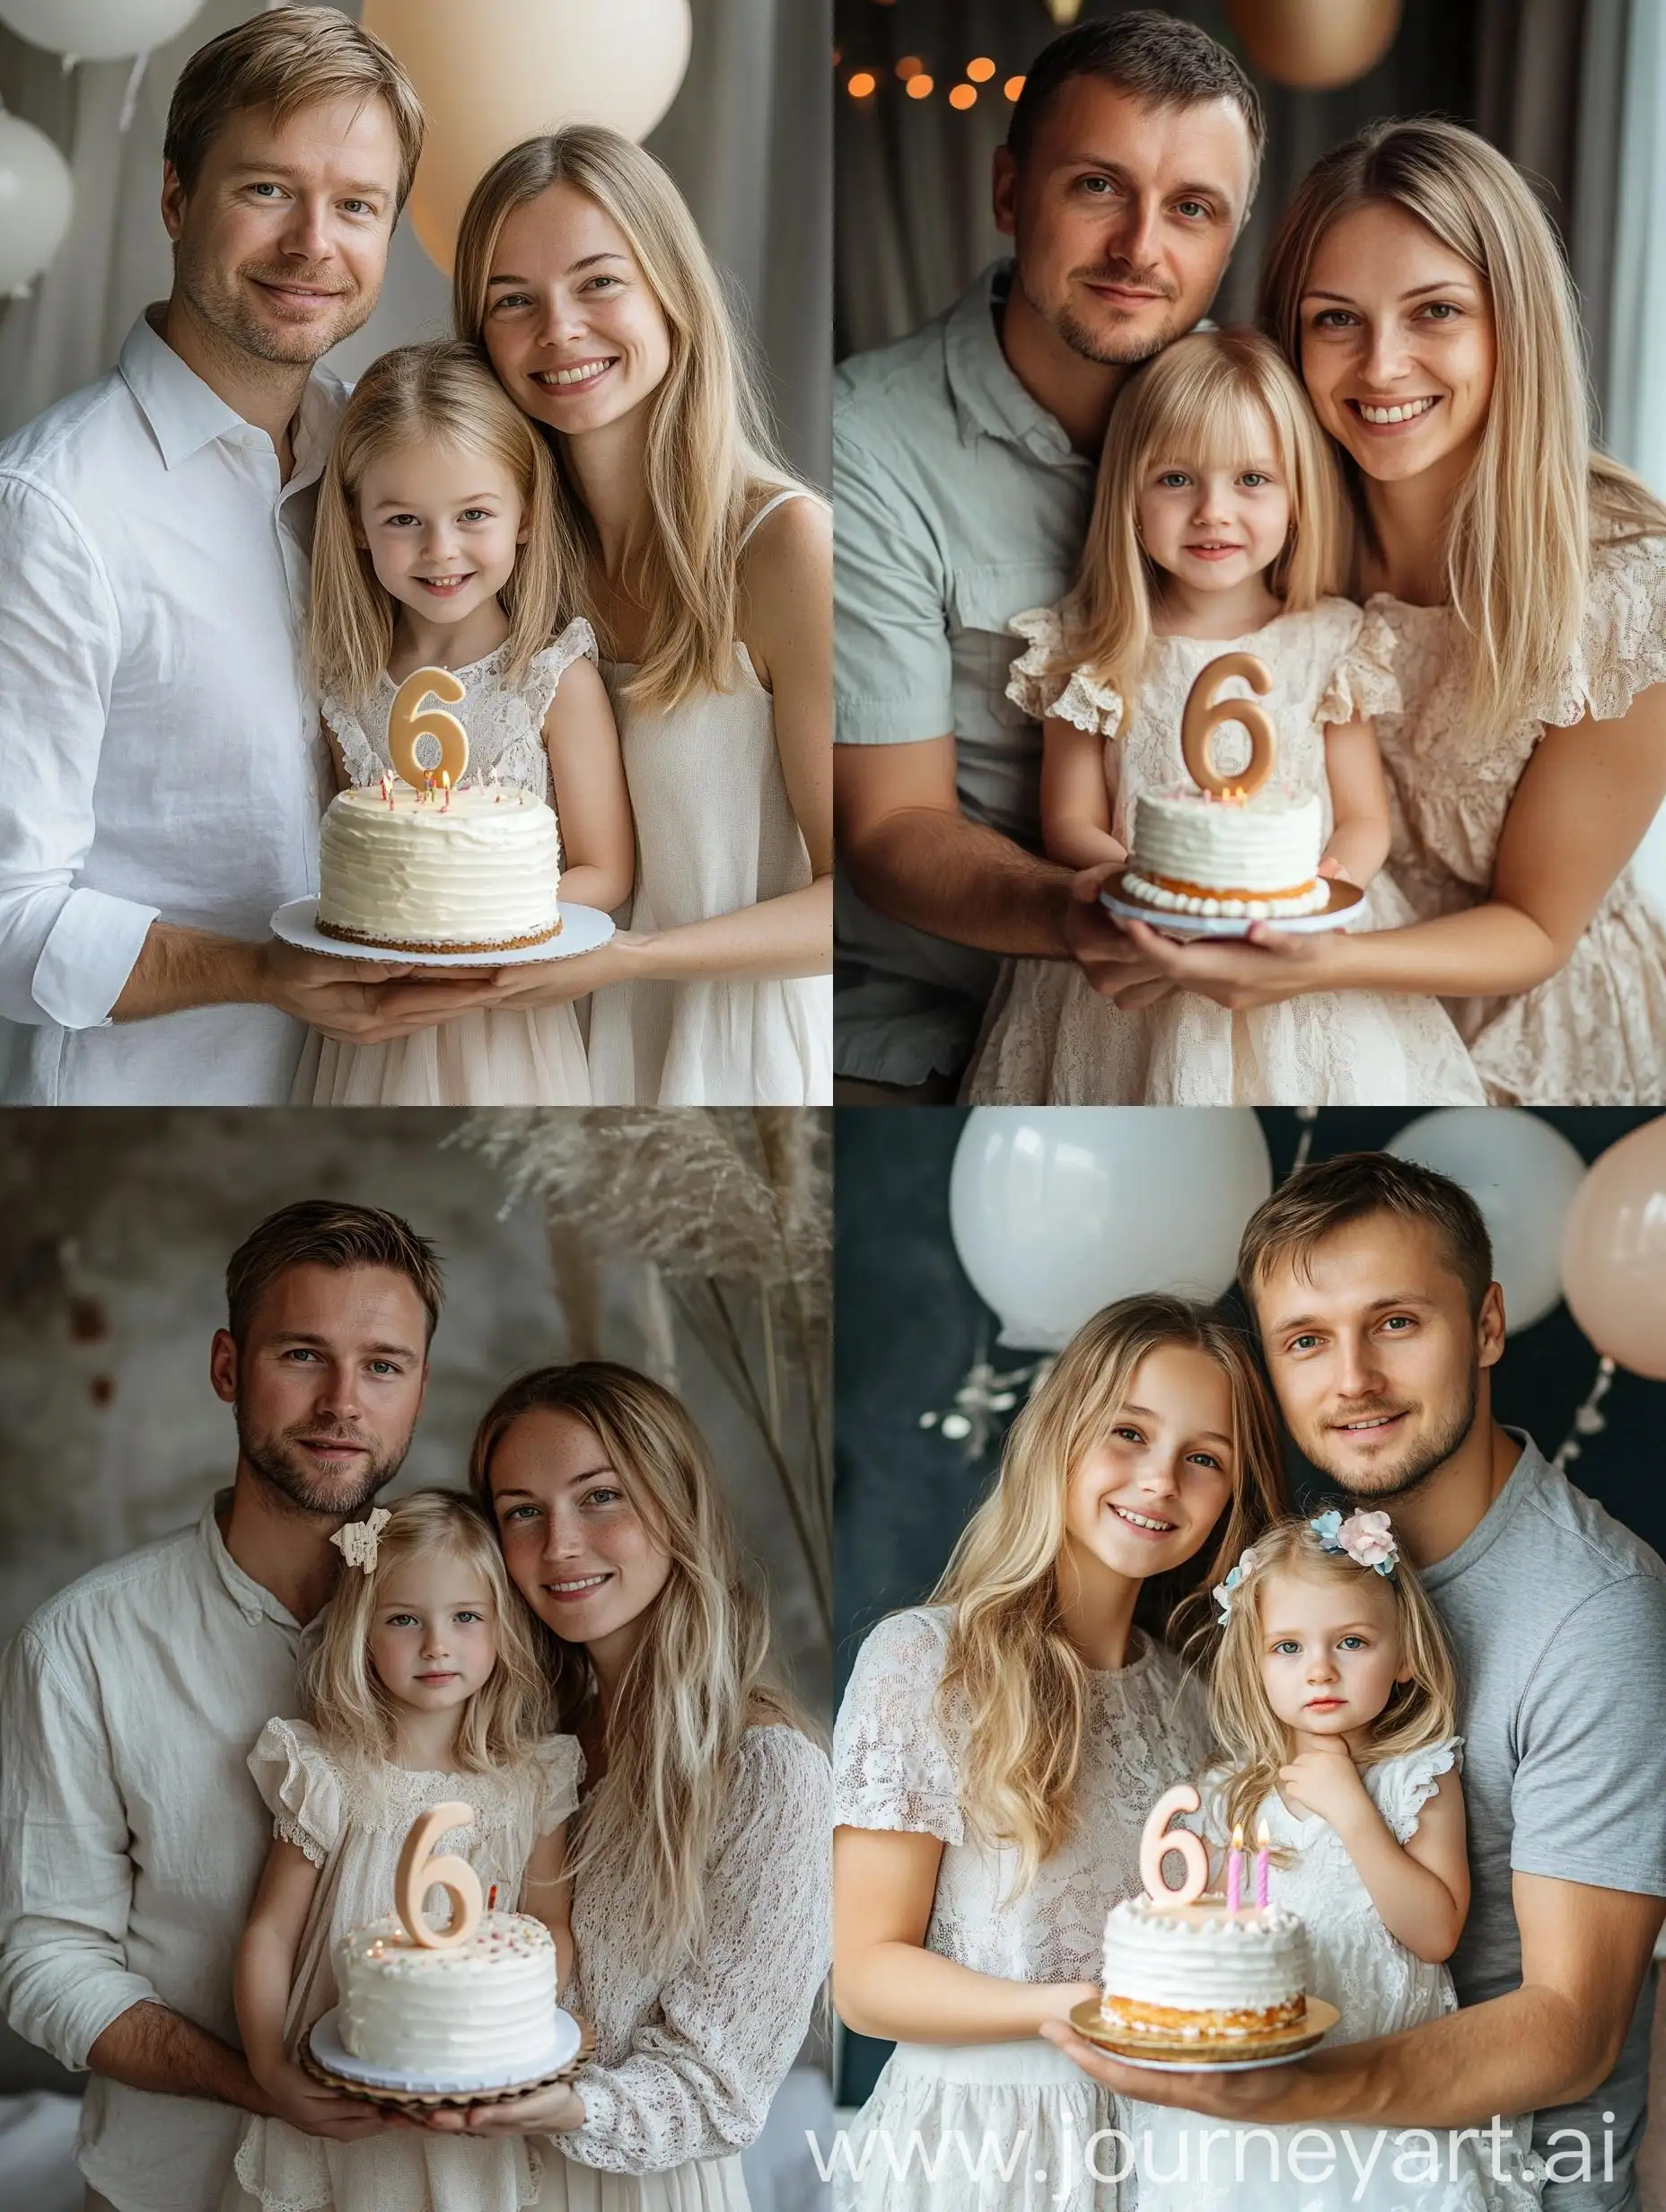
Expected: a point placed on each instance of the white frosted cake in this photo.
(1252, 858)
(1199, 1973)
(474, 870)
(487, 2003)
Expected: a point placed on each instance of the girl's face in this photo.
(1329, 1649)
(432, 1635)
(573, 327)
(576, 1549)
(1398, 346)
(1145, 1497)
(1214, 527)
(442, 526)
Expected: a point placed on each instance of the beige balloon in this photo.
(1315, 44)
(1614, 1252)
(495, 72)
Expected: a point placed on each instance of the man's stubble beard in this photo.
(1105, 349)
(1423, 1461)
(212, 299)
(293, 1490)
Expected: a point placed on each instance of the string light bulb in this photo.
(920, 86)
(1012, 87)
(981, 70)
(963, 96)
(861, 85)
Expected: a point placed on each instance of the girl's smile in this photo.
(1143, 1498)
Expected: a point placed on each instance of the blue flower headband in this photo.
(1367, 1537)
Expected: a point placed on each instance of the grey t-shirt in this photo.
(1558, 1618)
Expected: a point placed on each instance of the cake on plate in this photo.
(1196, 1972)
(474, 870)
(473, 2008)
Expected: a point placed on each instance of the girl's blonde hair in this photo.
(444, 394)
(1013, 1693)
(710, 451)
(1213, 399)
(1519, 532)
(344, 1697)
(1254, 1743)
(701, 1674)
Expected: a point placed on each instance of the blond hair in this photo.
(701, 1674)
(1254, 1741)
(710, 451)
(344, 1697)
(1214, 398)
(445, 393)
(1014, 1688)
(1521, 528)
(283, 61)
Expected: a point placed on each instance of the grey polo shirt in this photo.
(959, 502)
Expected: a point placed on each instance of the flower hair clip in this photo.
(357, 1541)
(1367, 1537)
(1223, 1591)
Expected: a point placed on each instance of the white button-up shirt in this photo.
(132, 1836)
(159, 754)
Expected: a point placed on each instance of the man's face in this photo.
(326, 1384)
(1123, 215)
(282, 242)
(1373, 1355)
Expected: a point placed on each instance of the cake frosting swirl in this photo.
(1200, 1972)
(401, 869)
(483, 2004)
(1254, 859)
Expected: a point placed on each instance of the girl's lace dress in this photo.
(1052, 1041)
(1379, 1987)
(968, 2128)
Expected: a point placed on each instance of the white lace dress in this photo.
(943, 2107)
(495, 1056)
(686, 2067)
(1052, 1041)
(1379, 1987)
(1594, 1033)
(353, 1828)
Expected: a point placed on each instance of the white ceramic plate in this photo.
(1345, 899)
(582, 929)
(562, 2048)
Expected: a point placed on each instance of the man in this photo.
(163, 780)
(963, 468)
(131, 1834)
(1370, 1283)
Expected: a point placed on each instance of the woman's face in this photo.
(578, 338)
(1145, 1497)
(576, 1549)
(1398, 348)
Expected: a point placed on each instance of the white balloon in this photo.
(1522, 1174)
(1057, 1210)
(35, 202)
(98, 30)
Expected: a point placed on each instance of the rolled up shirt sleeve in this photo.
(65, 950)
(894, 670)
(66, 1877)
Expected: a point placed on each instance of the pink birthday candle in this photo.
(1260, 1865)
(1234, 1870)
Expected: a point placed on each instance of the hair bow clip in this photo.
(357, 1541)
(1223, 1591)
(1367, 1537)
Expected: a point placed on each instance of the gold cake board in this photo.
(1088, 2019)
(457, 2099)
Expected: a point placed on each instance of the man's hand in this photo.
(1326, 1781)
(365, 1002)
(1311, 2089)
(1106, 953)
(293, 2095)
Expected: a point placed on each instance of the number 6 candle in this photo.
(417, 1873)
(1157, 1839)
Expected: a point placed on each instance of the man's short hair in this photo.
(1317, 1199)
(320, 1233)
(1153, 57)
(284, 61)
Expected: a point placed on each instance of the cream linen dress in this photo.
(715, 832)
(488, 1056)
(1380, 1988)
(1033, 2108)
(353, 1828)
(686, 2067)
(1595, 1033)
(1051, 1040)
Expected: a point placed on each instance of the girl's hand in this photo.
(1328, 1783)
(296, 2097)
(556, 2111)
(1059, 1999)
(559, 982)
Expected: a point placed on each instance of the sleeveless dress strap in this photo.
(768, 509)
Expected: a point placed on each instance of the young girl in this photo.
(436, 545)
(424, 1684)
(1332, 1699)
(996, 1751)
(1216, 526)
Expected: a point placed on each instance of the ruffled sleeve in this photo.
(358, 755)
(577, 642)
(300, 1784)
(1403, 1787)
(1621, 648)
(1362, 682)
(1036, 683)
(560, 1769)
(891, 1768)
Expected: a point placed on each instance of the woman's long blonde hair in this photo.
(1254, 1743)
(711, 455)
(446, 394)
(1215, 398)
(701, 1674)
(1520, 531)
(1014, 1688)
(344, 1697)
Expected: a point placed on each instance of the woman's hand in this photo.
(1059, 1999)
(1262, 968)
(556, 2111)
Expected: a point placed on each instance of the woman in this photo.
(699, 1853)
(706, 573)
(998, 1750)
(1417, 285)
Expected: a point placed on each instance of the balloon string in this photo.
(130, 98)
(1308, 1116)
(1587, 1421)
